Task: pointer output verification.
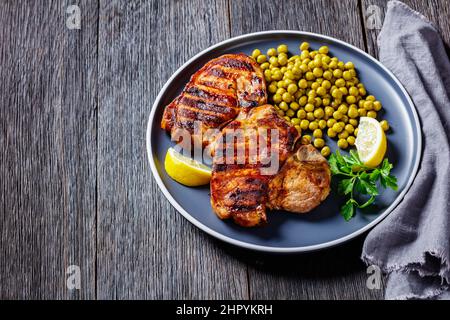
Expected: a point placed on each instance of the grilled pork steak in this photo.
(215, 95)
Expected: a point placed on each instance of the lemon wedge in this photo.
(185, 170)
(371, 142)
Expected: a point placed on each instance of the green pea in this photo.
(318, 72)
(304, 55)
(290, 113)
(319, 113)
(353, 112)
(277, 98)
(384, 125)
(326, 84)
(368, 105)
(343, 135)
(333, 65)
(336, 93)
(322, 124)
(277, 75)
(372, 114)
(304, 124)
(292, 88)
(317, 133)
(347, 75)
(350, 99)
(272, 52)
(353, 91)
(313, 125)
(326, 59)
(340, 83)
(317, 101)
(337, 73)
(319, 143)
(323, 49)
(349, 65)
(261, 58)
(256, 53)
(343, 90)
(301, 114)
(309, 75)
(330, 122)
(328, 75)
(281, 90)
(274, 61)
(351, 140)
(349, 128)
(272, 88)
(343, 109)
(377, 106)
(342, 143)
(325, 151)
(321, 91)
(296, 71)
(309, 107)
(287, 97)
(315, 85)
(337, 128)
(306, 139)
(282, 48)
(302, 83)
(331, 133)
(353, 122)
(304, 46)
(303, 101)
(283, 106)
(295, 121)
(362, 112)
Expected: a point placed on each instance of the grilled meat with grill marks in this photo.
(215, 95)
(239, 182)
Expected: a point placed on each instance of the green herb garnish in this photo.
(356, 179)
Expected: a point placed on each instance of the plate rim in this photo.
(271, 249)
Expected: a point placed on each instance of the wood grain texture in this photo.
(145, 248)
(75, 184)
(335, 273)
(437, 11)
(48, 141)
(340, 19)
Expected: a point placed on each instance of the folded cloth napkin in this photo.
(412, 245)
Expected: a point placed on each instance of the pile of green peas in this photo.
(317, 93)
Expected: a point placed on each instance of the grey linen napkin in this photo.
(412, 245)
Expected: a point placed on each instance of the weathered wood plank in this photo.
(48, 142)
(336, 273)
(340, 19)
(145, 248)
(436, 11)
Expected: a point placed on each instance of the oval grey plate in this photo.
(287, 232)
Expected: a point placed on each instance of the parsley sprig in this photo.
(356, 179)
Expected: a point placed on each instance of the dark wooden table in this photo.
(75, 185)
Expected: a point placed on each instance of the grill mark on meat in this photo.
(235, 64)
(216, 97)
(196, 115)
(211, 107)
